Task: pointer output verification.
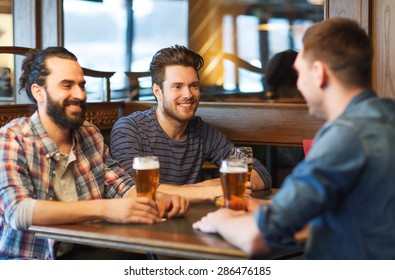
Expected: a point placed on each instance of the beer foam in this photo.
(144, 164)
(233, 169)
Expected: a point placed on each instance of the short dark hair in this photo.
(175, 55)
(280, 75)
(35, 70)
(344, 46)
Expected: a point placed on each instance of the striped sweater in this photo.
(140, 134)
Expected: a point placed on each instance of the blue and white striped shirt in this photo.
(140, 134)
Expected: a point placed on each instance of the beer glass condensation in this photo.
(233, 181)
(146, 175)
(246, 154)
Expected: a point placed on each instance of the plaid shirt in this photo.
(27, 162)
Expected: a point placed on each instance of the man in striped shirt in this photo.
(55, 167)
(171, 131)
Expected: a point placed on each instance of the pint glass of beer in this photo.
(233, 180)
(243, 153)
(146, 175)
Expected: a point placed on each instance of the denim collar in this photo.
(366, 94)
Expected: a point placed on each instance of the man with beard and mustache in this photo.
(56, 169)
(171, 131)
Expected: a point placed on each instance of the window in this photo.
(96, 32)
(254, 32)
(236, 38)
(6, 60)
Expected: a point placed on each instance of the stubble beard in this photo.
(172, 113)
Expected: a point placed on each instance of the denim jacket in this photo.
(344, 188)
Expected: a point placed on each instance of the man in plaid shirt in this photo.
(55, 167)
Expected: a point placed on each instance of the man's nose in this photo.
(187, 93)
(79, 93)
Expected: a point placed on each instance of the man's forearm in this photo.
(195, 193)
(57, 212)
(257, 183)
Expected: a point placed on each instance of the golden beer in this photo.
(233, 182)
(146, 175)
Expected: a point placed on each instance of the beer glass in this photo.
(233, 174)
(246, 154)
(146, 175)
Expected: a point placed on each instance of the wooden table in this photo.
(174, 237)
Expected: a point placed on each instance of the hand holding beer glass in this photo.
(246, 154)
(146, 175)
(233, 181)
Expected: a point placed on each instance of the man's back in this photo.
(357, 221)
(344, 189)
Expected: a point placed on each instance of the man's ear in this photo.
(320, 74)
(38, 93)
(157, 91)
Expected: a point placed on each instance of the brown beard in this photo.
(58, 114)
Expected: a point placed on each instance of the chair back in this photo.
(87, 72)
(307, 145)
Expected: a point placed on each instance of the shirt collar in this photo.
(50, 149)
(366, 94)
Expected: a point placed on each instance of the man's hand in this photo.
(131, 210)
(171, 206)
(236, 227)
(252, 203)
(213, 220)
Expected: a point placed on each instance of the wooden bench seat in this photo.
(271, 128)
(264, 125)
(269, 123)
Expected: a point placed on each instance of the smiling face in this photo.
(179, 97)
(65, 96)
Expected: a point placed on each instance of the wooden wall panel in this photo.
(383, 39)
(5, 6)
(10, 112)
(253, 123)
(262, 124)
(103, 115)
(248, 123)
(355, 9)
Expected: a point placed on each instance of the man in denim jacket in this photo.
(344, 190)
